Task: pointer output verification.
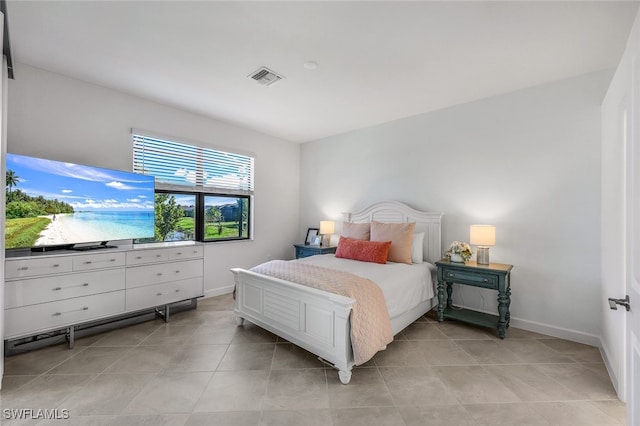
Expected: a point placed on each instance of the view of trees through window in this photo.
(176, 216)
(225, 217)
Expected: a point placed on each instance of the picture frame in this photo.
(312, 235)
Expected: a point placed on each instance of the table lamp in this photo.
(327, 227)
(482, 236)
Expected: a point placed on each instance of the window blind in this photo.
(176, 166)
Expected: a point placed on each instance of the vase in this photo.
(456, 257)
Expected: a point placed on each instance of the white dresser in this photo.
(159, 276)
(48, 292)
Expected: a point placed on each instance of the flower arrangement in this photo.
(460, 248)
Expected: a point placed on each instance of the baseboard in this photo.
(549, 330)
(218, 291)
(619, 388)
(559, 332)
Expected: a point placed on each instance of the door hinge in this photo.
(624, 302)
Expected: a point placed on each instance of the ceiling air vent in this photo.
(265, 76)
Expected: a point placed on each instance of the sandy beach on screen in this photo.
(62, 230)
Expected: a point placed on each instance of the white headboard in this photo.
(397, 212)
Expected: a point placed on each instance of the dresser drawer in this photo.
(53, 315)
(98, 261)
(58, 287)
(140, 276)
(186, 252)
(475, 279)
(21, 268)
(140, 257)
(161, 294)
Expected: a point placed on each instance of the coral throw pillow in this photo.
(356, 231)
(401, 237)
(365, 251)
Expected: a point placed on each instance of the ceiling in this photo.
(377, 61)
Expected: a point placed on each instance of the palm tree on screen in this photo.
(11, 180)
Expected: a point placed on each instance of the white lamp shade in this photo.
(327, 227)
(482, 235)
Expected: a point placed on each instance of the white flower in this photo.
(461, 248)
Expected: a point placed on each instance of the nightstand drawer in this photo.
(303, 250)
(475, 279)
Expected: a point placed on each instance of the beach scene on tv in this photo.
(57, 203)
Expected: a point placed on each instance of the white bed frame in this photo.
(316, 320)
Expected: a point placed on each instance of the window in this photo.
(225, 217)
(202, 194)
(175, 216)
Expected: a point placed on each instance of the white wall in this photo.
(618, 120)
(528, 162)
(60, 118)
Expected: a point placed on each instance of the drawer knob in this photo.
(486, 280)
(159, 294)
(24, 268)
(88, 262)
(84, 308)
(158, 255)
(138, 257)
(450, 274)
(178, 271)
(81, 285)
(159, 274)
(177, 290)
(56, 265)
(179, 253)
(112, 260)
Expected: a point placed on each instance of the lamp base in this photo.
(325, 241)
(483, 256)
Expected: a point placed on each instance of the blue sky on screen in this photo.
(84, 187)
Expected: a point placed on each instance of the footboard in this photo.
(315, 320)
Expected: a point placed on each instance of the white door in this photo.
(632, 233)
(633, 284)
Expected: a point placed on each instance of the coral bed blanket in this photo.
(370, 323)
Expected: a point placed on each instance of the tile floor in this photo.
(201, 369)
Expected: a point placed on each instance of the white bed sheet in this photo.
(404, 286)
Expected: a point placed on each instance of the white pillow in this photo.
(417, 248)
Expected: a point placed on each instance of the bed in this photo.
(319, 321)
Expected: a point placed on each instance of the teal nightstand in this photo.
(303, 250)
(495, 276)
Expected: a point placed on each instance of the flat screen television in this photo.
(54, 205)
